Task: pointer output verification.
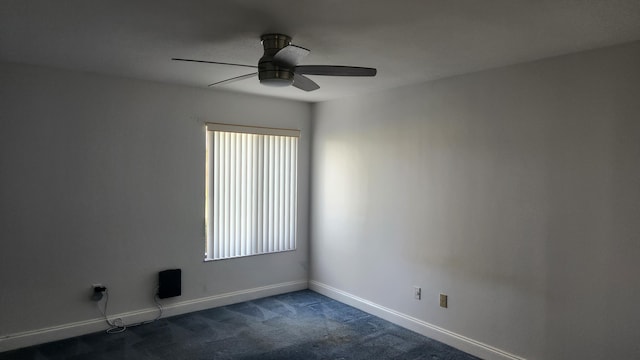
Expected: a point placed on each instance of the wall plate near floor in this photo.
(444, 299)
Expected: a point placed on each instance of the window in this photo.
(251, 187)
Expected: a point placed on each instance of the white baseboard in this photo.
(59, 332)
(458, 341)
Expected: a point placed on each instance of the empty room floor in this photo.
(297, 325)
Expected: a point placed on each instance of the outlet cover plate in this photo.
(444, 299)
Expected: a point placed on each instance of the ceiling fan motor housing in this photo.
(268, 72)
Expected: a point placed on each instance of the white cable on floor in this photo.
(117, 325)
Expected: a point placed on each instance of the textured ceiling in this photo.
(408, 41)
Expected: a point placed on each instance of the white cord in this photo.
(118, 325)
(156, 299)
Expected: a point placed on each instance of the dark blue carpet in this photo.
(299, 325)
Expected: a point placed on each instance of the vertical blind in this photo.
(251, 191)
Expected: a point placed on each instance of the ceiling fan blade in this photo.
(234, 79)
(335, 70)
(290, 55)
(304, 83)
(214, 62)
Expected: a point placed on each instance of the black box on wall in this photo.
(169, 283)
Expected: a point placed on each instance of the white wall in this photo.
(102, 180)
(515, 191)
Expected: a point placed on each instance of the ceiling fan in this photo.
(279, 66)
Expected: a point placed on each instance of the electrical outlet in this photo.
(417, 292)
(444, 299)
(98, 291)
